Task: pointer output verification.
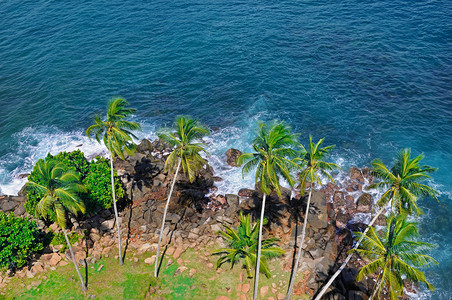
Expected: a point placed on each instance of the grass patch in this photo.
(133, 280)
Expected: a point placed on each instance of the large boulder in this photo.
(231, 156)
(145, 146)
(355, 174)
(363, 203)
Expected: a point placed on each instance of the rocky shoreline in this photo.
(196, 213)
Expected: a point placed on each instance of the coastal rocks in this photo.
(231, 157)
(13, 204)
(364, 202)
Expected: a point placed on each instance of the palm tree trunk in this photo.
(300, 247)
(376, 290)
(349, 256)
(75, 263)
(258, 260)
(164, 218)
(116, 210)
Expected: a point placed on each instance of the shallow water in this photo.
(369, 77)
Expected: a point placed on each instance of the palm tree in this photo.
(394, 254)
(117, 135)
(243, 245)
(272, 159)
(186, 153)
(60, 188)
(403, 189)
(314, 166)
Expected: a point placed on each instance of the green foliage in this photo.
(311, 161)
(60, 188)
(95, 175)
(273, 148)
(403, 183)
(395, 254)
(183, 138)
(243, 246)
(19, 238)
(115, 131)
(98, 183)
(58, 239)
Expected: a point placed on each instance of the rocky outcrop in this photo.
(13, 204)
(231, 156)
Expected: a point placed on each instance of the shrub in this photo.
(95, 175)
(242, 246)
(59, 239)
(98, 183)
(19, 238)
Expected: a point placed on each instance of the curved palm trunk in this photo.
(116, 210)
(75, 263)
(300, 247)
(258, 260)
(349, 256)
(164, 218)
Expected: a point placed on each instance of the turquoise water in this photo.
(370, 77)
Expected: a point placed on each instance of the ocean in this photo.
(370, 77)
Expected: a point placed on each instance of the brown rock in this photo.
(246, 288)
(178, 252)
(242, 297)
(342, 220)
(364, 202)
(150, 260)
(222, 298)
(264, 291)
(338, 198)
(37, 268)
(54, 259)
(280, 296)
(231, 156)
(355, 174)
(246, 193)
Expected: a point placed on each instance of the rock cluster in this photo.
(13, 204)
(196, 214)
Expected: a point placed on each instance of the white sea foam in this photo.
(35, 143)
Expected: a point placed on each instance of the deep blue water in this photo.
(370, 77)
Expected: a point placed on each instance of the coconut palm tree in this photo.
(61, 190)
(403, 188)
(186, 153)
(314, 166)
(394, 255)
(117, 135)
(243, 246)
(271, 159)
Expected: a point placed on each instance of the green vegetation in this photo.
(98, 183)
(59, 239)
(403, 188)
(313, 166)
(60, 189)
(107, 280)
(183, 138)
(19, 239)
(117, 136)
(272, 159)
(243, 246)
(94, 175)
(394, 255)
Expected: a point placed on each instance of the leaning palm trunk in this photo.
(319, 296)
(300, 247)
(75, 263)
(258, 260)
(164, 218)
(116, 210)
